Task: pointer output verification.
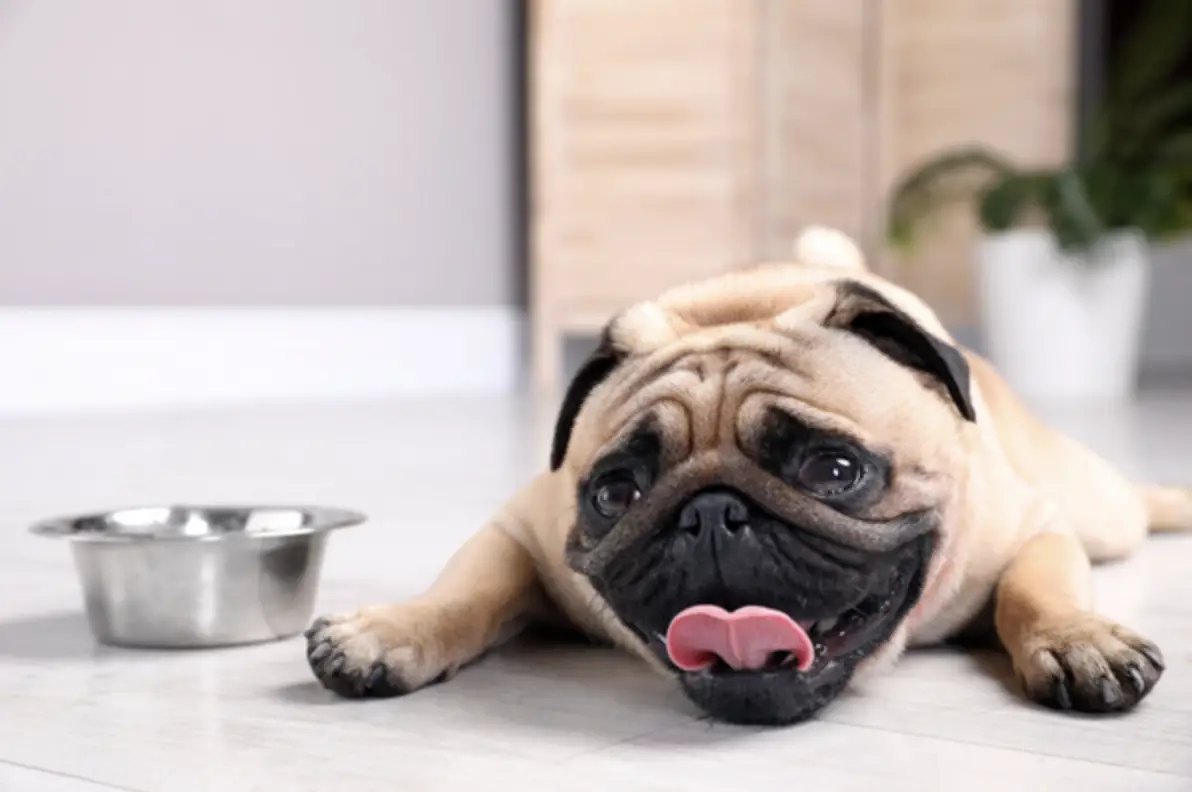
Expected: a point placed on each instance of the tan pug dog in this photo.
(766, 482)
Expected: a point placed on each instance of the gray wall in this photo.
(1167, 344)
(261, 152)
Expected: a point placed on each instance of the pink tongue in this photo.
(744, 639)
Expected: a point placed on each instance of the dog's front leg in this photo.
(1066, 656)
(486, 590)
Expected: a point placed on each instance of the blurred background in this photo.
(223, 203)
(347, 252)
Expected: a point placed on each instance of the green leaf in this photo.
(1154, 46)
(952, 176)
(1176, 150)
(1073, 202)
(1006, 201)
(1136, 170)
(1131, 130)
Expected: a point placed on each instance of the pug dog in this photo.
(767, 482)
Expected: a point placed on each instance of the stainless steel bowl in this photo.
(192, 576)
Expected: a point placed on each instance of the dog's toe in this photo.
(1090, 664)
(317, 626)
(369, 655)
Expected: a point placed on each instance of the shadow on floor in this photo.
(51, 636)
(542, 685)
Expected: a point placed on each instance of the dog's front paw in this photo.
(1088, 664)
(377, 652)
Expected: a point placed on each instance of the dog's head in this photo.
(761, 463)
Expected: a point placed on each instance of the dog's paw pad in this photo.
(370, 655)
(1089, 664)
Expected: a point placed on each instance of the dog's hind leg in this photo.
(1168, 509)
(1127, 514)
(1107, 512)
(1130, 513)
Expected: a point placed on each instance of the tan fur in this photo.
(1024, 508)
(827, 247)
(1168, 509)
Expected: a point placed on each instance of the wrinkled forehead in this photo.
(709, 374)
(777, 297)
(724, 399)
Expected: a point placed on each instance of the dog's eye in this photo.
(828, 473)
(614, 495)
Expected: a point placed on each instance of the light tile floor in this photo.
(75, 716)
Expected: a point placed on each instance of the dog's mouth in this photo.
(707, 639)
(774, 663)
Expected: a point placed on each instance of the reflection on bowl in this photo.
(193, 576)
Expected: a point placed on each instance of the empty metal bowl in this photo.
(193, 576)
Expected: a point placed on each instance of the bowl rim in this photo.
(324, 519)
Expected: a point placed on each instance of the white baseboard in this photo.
(70, 360)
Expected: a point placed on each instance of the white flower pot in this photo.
(1063, 328)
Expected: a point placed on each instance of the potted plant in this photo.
(1062, 265)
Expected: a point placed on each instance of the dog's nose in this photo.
(713, 511)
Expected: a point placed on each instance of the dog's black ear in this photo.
(594, 371)
(866, 313)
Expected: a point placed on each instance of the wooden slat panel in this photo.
(644, 146)
(675, 139)
(813, 144)
(960, 71)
